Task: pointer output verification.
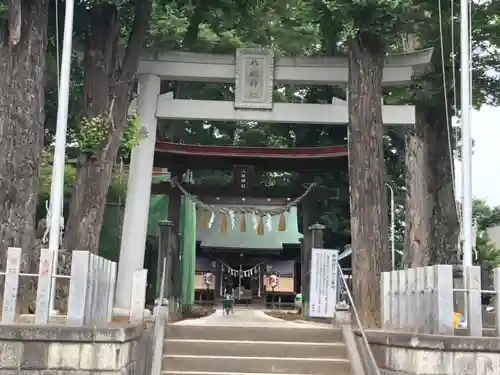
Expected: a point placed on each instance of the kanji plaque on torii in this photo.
(254, 78)
(242, 175)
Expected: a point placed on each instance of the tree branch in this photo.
(136, 39)
(194, 25)
(15, 22)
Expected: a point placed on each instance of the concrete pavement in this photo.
(244, 318)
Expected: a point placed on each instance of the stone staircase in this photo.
(230, 350)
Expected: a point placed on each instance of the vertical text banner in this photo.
(323, 286)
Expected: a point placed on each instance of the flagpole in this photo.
(466, 133)
(57, 183)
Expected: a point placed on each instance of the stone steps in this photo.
(275, 365)
(225, 350)
(168, 372)
(244, 333)
(255, 348)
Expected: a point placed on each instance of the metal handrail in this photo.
(363, 333)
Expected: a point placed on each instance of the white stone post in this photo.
(420, 304)
(428, 306)
(385, 299)
(496, 286)
(395, 321)
(443, 299)
(474, 315)
(135, 221)
(403, 300)
(411, 298)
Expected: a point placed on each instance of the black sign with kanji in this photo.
(242, 175)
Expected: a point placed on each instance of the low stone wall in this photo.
(65, 350)
(407, 353)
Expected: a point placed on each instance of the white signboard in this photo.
(323, 285)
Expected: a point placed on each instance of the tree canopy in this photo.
(309, 28)
(485, 217)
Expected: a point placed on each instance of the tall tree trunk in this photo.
(432, 228)
(367, 175)
(22, 100)
(418, 200)
(108, 89)
(445, 229)
(22, 70)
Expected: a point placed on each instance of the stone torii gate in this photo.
(255, 72)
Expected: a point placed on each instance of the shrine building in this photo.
(246, 232)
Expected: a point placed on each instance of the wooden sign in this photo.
(242, 175)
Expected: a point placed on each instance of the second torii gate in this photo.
(255, 72)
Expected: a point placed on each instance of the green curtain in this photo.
(158, 210)
(188, 249)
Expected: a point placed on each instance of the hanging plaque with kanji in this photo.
(241, 177)
(254, 79)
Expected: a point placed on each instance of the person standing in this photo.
(228, 298)
(228, 289)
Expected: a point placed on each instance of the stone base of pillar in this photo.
(342, 314)
(458, 283)
(122, 315)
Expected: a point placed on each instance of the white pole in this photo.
(57, 184)
(239, 286)
(393, 228)
(221, 280)
(260, 286)
(466, 133)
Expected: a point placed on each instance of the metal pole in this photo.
(393, 228)
(57, 184)
(239, 286)
(466, 133)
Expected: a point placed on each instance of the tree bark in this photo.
(23, 45)
(432, 228)
(22, 100)
(444, 226)
(108, 90)
(367, 175)
(418, 211)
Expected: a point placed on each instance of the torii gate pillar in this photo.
(135, 222)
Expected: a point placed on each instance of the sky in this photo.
(486, 156)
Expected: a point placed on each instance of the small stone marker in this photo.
(11, 285)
